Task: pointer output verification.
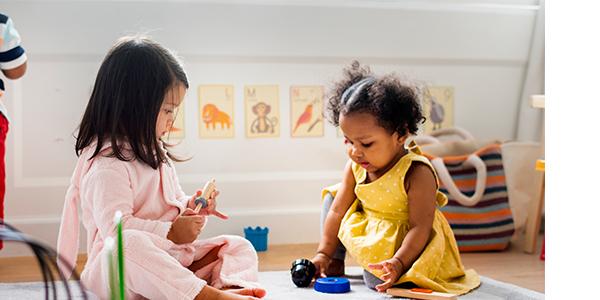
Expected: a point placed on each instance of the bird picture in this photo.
(305, 117)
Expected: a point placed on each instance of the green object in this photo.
(113, 279)
(118, 216)
(113, 249)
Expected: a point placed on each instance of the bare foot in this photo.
(256, 292)
(336, 268)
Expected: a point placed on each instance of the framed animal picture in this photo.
(306, 111)
(177, 130)
(438, 107)
(216, 106)
(262, 111)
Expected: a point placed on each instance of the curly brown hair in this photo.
(394, 102)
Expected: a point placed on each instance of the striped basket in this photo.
(478, 209)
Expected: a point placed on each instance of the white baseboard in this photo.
(286, 226)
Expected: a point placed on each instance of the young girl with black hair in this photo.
(124, 166)
(384, 212)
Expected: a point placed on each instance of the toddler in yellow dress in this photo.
(385, 210)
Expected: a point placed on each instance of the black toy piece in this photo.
(303, 271)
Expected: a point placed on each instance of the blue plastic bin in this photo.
(257, 236)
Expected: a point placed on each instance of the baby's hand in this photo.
(321, 262)
(392, 269)
(211, 208)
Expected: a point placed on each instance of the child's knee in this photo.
(239, 242)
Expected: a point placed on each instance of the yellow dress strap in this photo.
(360, 174)
(415, 154)
(414, 148)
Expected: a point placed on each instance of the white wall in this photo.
(480, 48)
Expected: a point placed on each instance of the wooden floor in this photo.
(513, 266)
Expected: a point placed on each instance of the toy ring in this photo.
(332, 285)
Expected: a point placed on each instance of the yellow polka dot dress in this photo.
(375, 225)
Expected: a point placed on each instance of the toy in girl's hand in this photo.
(201, 198)
(303, 271)
(200, 201)
(205, 201)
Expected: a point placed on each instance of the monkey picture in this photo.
(263, 123)
(262, 111)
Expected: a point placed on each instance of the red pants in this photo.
(3, 132)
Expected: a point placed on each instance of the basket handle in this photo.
(432, 138)
(465, 135)
(444, 176)
(424, 140)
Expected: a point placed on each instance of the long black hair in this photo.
(128, 93)
(394, 102)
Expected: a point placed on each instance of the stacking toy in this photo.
(303, 271)
(332, 285)
(201, 198)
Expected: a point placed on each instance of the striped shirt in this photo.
(12, 54)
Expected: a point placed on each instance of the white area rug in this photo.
(279, 286)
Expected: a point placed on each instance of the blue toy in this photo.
(257, 236)
(200, 200)
(202, 197)
(332, 285)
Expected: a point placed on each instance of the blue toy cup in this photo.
(257, 236)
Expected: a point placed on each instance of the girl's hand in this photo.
(211, 209)
(186, 227)
(392, 269)
(321, 262)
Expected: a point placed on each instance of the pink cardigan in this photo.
(147, 202)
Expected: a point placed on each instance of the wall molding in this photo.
(238, 177)
(51, 219)
(281, 223)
